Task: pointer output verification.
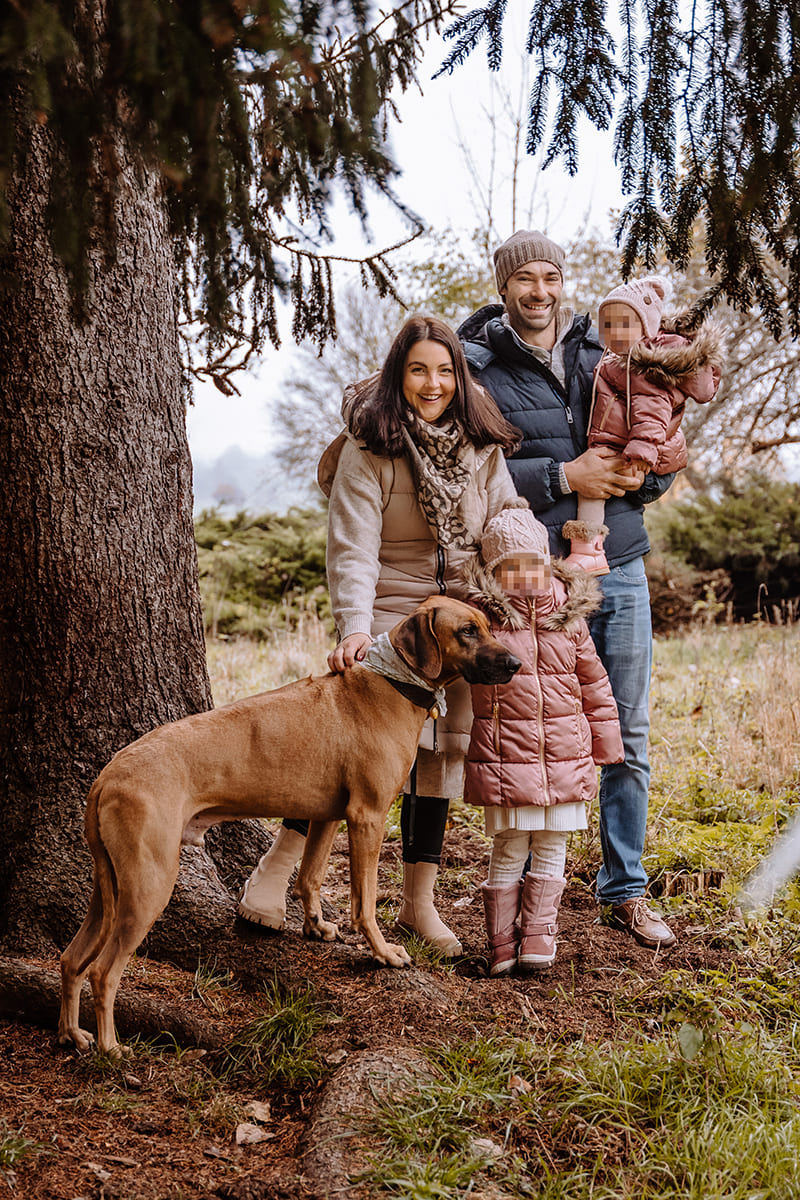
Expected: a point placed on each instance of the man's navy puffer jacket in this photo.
(552, 421)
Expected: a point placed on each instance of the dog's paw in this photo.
(119, 1052)
(315, 927)
(80, 1039)
(393, 956)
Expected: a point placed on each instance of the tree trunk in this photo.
(101, 635)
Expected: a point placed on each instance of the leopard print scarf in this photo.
(437, 455)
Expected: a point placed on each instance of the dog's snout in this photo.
(492, 665)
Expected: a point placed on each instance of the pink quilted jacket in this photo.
(537, 739)
(639, 399)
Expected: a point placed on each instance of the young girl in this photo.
(648, 371)
(535, 741)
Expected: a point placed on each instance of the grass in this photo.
(629, 1119)
(242, 668)
(274, 1046)
(17, 1149)
(725, 747)
(698, 1098)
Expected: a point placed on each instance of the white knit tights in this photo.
(548, 849)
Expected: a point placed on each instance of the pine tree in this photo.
(705, 104)
(153, 155)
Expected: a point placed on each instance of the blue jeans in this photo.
(622, 632)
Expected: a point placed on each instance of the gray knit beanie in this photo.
(524, 246)
(512, 532)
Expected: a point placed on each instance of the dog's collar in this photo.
(383, 659)
(421, 697)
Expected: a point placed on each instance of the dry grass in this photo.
(240, 667)
(725, 702)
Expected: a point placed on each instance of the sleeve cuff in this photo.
(355, 624)
(562, 480)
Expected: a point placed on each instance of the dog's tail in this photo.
(104, 897)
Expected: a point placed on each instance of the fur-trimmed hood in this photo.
(553, 611)
(675, 355)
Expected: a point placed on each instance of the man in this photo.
(537, 359)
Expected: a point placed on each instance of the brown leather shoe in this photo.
(645, 926)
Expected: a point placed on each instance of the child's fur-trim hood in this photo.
(674, 366)
(583, 597)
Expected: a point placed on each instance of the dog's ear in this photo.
(416, 643)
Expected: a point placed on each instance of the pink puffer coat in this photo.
(639, 399)
(537, 739)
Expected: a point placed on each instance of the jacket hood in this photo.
(583, 597)
(473, 329)
(667, 364)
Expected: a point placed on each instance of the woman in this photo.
(412, 481)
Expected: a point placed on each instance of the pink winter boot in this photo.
(501, 908)
(587, 547)
(541, 896)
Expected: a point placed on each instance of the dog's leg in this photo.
(366, 823)
(311, 877)
(74, 964)
(91, 936)
(144, 886)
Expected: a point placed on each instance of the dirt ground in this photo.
(163, 1126)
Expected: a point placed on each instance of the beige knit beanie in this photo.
(513, 531)
(524, 246)
(646, 298)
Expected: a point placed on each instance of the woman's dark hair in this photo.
(376, 406)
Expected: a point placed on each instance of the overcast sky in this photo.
(438, 184)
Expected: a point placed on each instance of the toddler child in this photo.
(535, 741)
(648, 370)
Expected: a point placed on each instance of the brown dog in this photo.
(326, 748)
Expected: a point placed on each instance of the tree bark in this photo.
(32, 994)
(101, 635)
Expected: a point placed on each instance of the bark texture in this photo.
(32, 995)
(101, 633)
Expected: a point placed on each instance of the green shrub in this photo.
(258, 574)
(750, 532)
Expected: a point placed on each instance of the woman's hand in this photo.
(350, 650)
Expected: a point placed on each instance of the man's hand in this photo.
(599, 473)
(350, 650)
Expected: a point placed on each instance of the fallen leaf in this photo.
(250, 1135)
(99, 1172)
(486, 1148)
(122, 1162)
(519, 1086)
(259, 1110)
(193, 1055)
(336, 1057)
(215, 1152)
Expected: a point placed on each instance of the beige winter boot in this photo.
(262, 900)
(587, 547)
(418, 913)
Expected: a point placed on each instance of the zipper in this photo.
(540, 702)
(496, 726)
(440, 564)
